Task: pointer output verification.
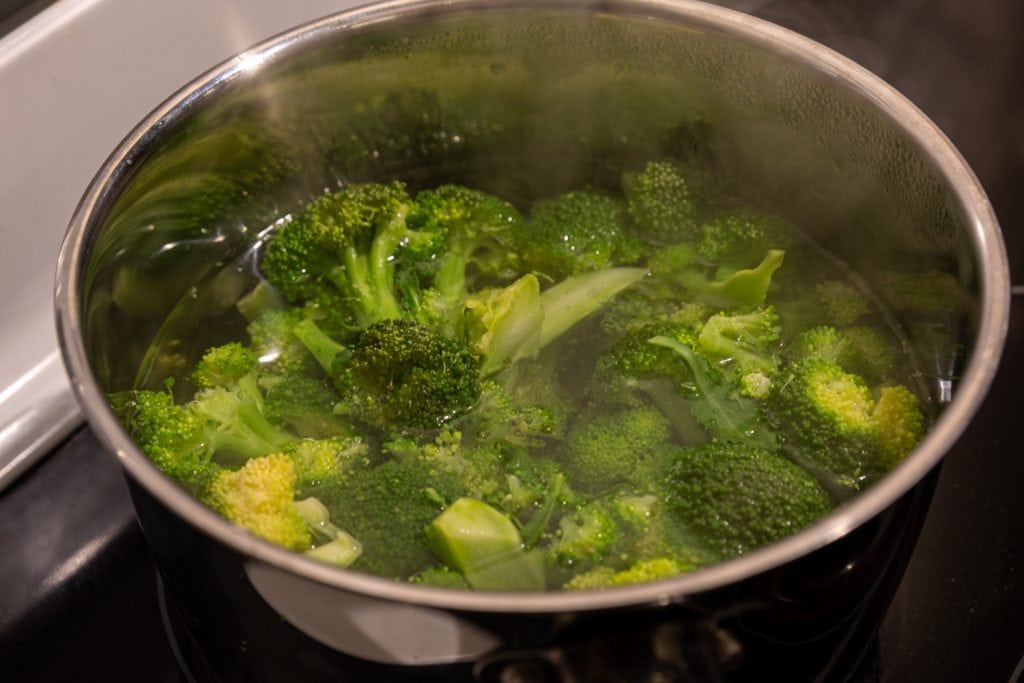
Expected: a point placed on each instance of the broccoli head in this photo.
(347, 243)
(402, 373)
(831, 421)
(604, 450)
(576, 232)
(661, 202)
(387, 507)
(259, 497)
(734, 498)
(169, 434)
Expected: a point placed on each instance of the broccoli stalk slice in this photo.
(747, 287)
(504, 325)
(575, 298)
(717, 405)
(534, 529)
(482, 543)
(340, 549)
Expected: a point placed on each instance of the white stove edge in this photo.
(76, 78)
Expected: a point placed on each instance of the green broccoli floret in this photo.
(169, 434)
(484, 545)
(585, 537)
(746, 342)
(831, 421)
(275, 345)
(574, 233)
(642, 571)
(635, 372)
(717, 403)
(662, 203)
(259, 498)
(386, 507)
(897, 423)
(402, 373)
(326, 461)
(440, 576)
(859, 350)
(224, 366)
(233, 421)
(348, 243)
(842, 303)
(477, 229)
(739, 239)
(734, 498)
(604, 450)
(745, 287)
(305, 405)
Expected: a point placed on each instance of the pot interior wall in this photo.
(524, 104)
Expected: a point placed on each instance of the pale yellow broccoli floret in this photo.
(259, 496)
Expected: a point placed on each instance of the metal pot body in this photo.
(523, 99)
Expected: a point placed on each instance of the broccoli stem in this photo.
(574, 298)
(482, 543)
(534, 529)
(675, 408)
(330, 354)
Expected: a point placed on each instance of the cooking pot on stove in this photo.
(522, 97)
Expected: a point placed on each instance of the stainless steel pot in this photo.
(523, 98)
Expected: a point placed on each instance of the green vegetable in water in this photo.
(599, 389)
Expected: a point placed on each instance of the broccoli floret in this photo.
(504, 325)
(387, 507)
(642, 571)
(348, 243)
(897, 423)
(746, 342)
(604, 450)
(402, 373)
(224, 366)
(440, 576)
(662, 203)
(859, 350)
(734, 498)
(259, 498)
(585, 537)
(719, 404)
(477, 229)
(831, 421)
(574, 233)
(498, 419)
(739, 239)
(234, 424)
(842, 303)
(305, 405)
(635, 372)
(484, 545)
(169, 434)
(326, 461)
(278, 350)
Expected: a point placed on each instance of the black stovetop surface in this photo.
(79, 592)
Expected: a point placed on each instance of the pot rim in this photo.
(980, 221)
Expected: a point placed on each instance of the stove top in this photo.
(80, 594)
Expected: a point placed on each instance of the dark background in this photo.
(78, 592)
